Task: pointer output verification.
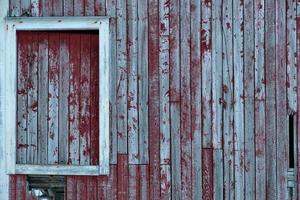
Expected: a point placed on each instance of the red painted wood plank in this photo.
(298, 105)
(154, 132)
(71, 189)
(81, 188)
(100, 6)
(102, 187)
(93, 188)
(134, 182)
(94, 98)
(144, 182)
(78, 7)
(74, 99)
(12, 187)
(207, 174)
(165, 182)
(57, 7)
(20, 187)
(122, 168)
(112, 183)
(68, 7)
(89, 7)
(46, 8)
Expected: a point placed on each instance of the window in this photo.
(58, 24)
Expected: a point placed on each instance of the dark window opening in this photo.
(291, 141)
(46, 187)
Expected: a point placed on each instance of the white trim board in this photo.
(55, 23)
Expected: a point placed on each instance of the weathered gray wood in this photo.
(291, 52)
(89, 7)
(133, 182)
(164, 108)
(35, 9)
(25, 7)
(143, 81)
(227, 89)
(216, 59)
(111, 11)
(85, 101)
(132, 98)
(175, 99)
(46, 8)
(22, 75)
(165, 182)
(281, 101)
(185, 104)
(78, 7)
(218, 173)
(206, 74)
(239, 124)
(74, 85)
(57, 8)
(32, 119)
(14, 8)
(121, 76)
(196, 114)
(249, 163)
(68, 7)
(270, 42)
(4, 190)
(260, 100)
(53, 98)
(43, 99)
(63, 108)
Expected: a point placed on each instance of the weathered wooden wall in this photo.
(201, 92)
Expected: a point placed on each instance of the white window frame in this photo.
(10, 98)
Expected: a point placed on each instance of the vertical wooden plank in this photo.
(217, 70)
(218, 174)
(185, 108)
(68, 7)
(112, 185)
(43, 98)
(89, 6)
(175, 99)
(35, 8)
(94, 99)
(227, 101)
(239, 125)
(85, 103)
(92, 187)
(81, 188)
(78, 7)
(122, 168)
(154, 131)
(20, 187)
(73, 139)
(143, 81)
(260, 95)
(71, 182)
(14, 8)
(270, 99)
(22, 76)
(216, 59)
(164, 109)
(121, 76)
(281, 101)
(57, 7)
(165, 182)
(111, 11)
(102, 6)
(206, 42)
(132, 107)
(134, 182)
(64, 86)
(25, 7)
(46, 8)
(298, 97)
(53, 98)
(291, 42)
(12, 187)
(102, 187)
(207, 174)
(249, 99)
(33, 101)
(144, 182)
(196, 99)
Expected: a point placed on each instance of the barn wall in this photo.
(201, 93)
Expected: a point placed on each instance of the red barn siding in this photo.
(201, 91)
